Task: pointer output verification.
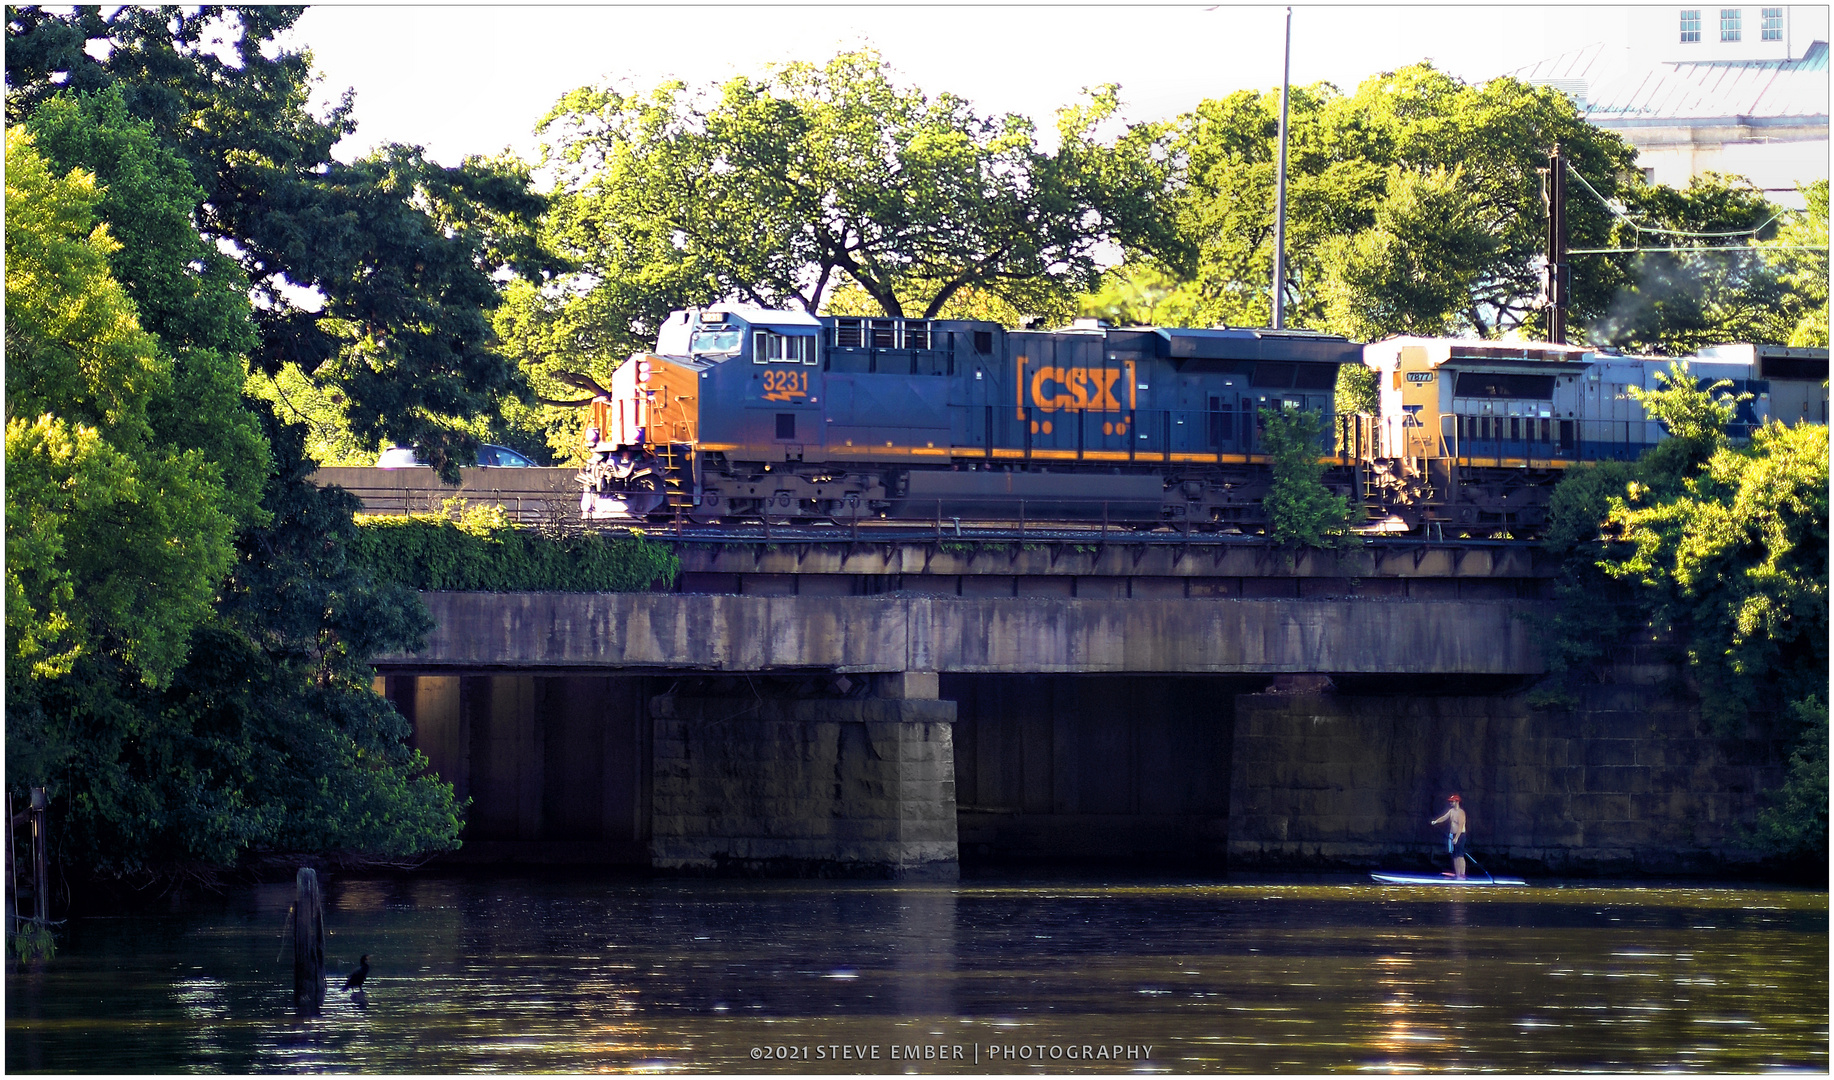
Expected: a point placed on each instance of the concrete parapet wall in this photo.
(1626, 782)
(536, 631)
(847, 786)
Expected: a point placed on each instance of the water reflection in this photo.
(530, 975)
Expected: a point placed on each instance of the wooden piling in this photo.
(41, 858)
(308, 943)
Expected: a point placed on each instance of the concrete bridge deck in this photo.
(655, 632)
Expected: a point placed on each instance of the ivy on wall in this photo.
(480, 551)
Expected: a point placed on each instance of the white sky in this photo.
(475, 80)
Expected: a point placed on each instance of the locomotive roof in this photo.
(762, 316)
(1540, 355)
(1250, 343)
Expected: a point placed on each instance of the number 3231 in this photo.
(783, 385)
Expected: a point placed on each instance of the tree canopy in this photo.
(1719, 287)
(373, 279)
(1414, 204)
(781, 189)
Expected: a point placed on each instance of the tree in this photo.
(1141, 293)
(398, 251)
(779, 190)
(1417, 178)
(186, 293)
(1726, 548)
(787, 185)
(188, 643)
(1414, 270)
(116, 537)
(1300, 509)
(1802, 264)
(1738, 557)
(1674, 302)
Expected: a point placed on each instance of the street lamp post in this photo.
(1286, 78)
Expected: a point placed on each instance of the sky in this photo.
(476, 80)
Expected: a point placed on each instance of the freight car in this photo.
(745, 413)
(1472, 435)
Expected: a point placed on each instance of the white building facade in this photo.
(1741, 90)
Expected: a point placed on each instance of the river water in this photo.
(534, 974)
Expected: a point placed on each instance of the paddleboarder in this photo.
(1454, 819)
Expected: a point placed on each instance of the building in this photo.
(1736, 90)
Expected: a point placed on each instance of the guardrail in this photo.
(538, 496)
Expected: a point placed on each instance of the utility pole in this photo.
(1286, 78)
(1559, 271)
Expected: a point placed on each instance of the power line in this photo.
(1626, 219)
(1696, 247)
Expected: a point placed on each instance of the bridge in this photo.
(841, 706)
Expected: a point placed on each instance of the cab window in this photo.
(769, 347)
(717, 341)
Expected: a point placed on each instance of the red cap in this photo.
(1451, 798)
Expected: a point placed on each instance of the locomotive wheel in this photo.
(711, 510)
(645, 494)
(779, 509)
(850, 509)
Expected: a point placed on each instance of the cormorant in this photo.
(355, 981)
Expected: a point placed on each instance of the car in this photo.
(490, 456)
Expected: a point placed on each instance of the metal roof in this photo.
(1751, 92)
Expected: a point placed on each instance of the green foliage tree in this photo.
(1694, 416)
(188, 644)
(1415, 269)
(269, 737)
(1738, 556)
(116, 536)
(1801, 260)
(787, 185)
(1141, 293)
(1413, 204)
(1725, 547)
(778, 190)
(374, 279)
(1301, 511)
(1674, 302)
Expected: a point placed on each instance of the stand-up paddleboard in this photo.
(1385, 877)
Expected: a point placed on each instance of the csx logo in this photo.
(1056, 388)
(1419, 376)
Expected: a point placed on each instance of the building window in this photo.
(1773, 24)
(1729, 20)
(1690, 25)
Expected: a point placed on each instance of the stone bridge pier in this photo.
(807, 786)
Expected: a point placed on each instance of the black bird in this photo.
(355, 981)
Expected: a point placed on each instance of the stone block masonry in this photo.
(1626, 782)
(854, 787)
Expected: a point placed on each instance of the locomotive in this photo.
(745, 413)
(1472, 435)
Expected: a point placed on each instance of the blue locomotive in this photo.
(743, 412)
(1472, 435)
